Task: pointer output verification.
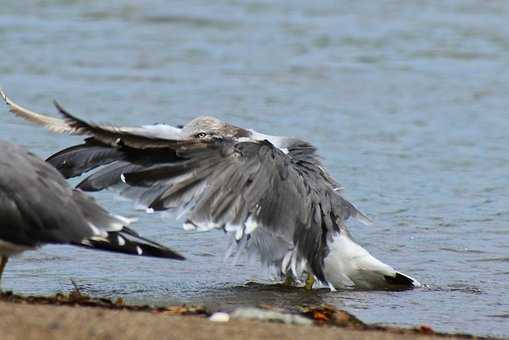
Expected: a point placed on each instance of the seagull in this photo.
(38, 207)
(271, 194)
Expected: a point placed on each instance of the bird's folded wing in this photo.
(36, 203)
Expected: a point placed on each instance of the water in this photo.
(407, 102)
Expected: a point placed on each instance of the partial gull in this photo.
(270, 193)
(38, 207)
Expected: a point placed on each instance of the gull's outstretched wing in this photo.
(104, 143)
(52, 124)
(239, 185)
(242, 186)
(150, 136)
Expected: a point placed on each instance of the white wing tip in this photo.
(364, 219)
(6, 99)
(188, 226)
(125, 221)
(250, 225)
(120, 240)
(4, 96)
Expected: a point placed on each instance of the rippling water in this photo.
(406, 100)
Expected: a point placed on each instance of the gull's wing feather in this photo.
(153, 136)
(37, 206)
(78, 159)
(138, 138)
(226, 183)
(52, 124)
(107, 176)
(242, 186)
(41, 204)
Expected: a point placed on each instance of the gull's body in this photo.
(271, 193)
(38, 207)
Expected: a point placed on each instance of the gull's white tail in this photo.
(350, 265)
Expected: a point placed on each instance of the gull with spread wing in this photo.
(270, 193)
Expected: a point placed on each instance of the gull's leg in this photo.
(289, 280)
(310, 281)
(3, 262)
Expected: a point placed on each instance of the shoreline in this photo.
(78, 316)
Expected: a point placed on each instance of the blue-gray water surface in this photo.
(407, 101)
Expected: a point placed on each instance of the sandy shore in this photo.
(84, 318)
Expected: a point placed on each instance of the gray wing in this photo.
(242, 186)
(222, 183)
(36, 205)
(152, 136)
(238, 186)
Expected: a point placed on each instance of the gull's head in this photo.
(210, 127)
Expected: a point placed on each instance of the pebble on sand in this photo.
(220, 317)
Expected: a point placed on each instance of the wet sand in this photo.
(36, 318)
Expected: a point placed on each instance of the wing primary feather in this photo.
(120, 137)
(52, 124)
(128, 242)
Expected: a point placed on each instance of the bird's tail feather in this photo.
(350, 265)
(129, 242)
(111, 233)
(402, 280)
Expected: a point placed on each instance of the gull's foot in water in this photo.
(310, 281)
(289, 281)
(276, 286)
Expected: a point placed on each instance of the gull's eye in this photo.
(200, 135)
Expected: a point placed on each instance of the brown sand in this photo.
(31, 321)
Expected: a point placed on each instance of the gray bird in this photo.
(38, 207)
(270, 193)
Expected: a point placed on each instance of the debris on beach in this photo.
(76, 298)
(332, 316)
(324, 315)
(220, 317)
(253, 313)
